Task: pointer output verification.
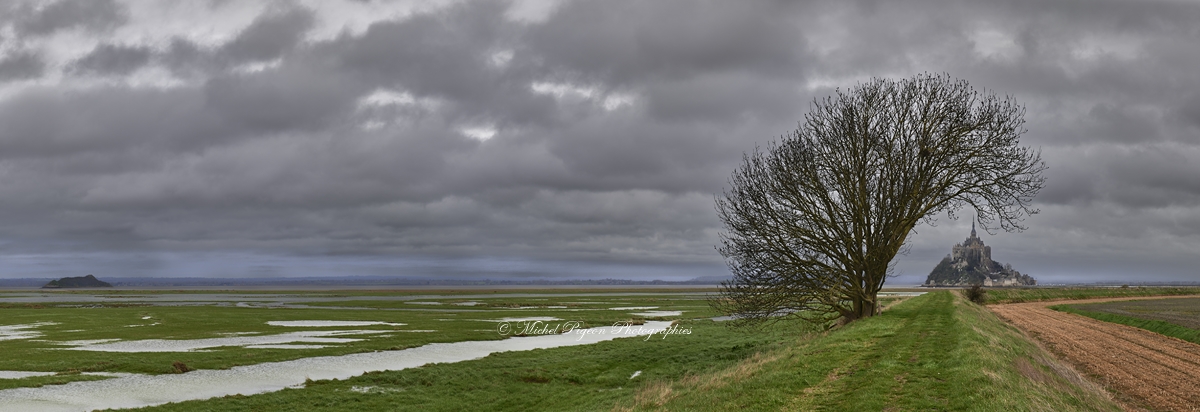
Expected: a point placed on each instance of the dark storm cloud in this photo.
(1189, 111)
(113, 59)
(187, 59)
(624, 43)
(277, 100)
(455, 141)
(270, 35)
(21, 65)
(89, 15)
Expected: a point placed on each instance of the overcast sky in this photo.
(550, 139)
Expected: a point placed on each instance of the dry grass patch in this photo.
(659, 393)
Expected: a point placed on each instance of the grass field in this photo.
(1018, 295)
(1178, 318)
(930, 352)
(55, 326)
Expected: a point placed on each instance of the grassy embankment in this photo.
(930, 352)
(1019, 295)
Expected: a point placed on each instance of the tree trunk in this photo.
(863, 307)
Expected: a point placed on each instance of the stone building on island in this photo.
(970, 262)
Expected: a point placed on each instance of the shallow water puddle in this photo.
(147, 390)
(659, 313)
(25, 374)
(12, 332)
(324, 323)
(525, 319)
(22, 375)
(187, 345)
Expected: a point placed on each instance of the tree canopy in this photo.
(812, 223)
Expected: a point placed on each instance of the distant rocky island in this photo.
(88, 281)
(970, 263)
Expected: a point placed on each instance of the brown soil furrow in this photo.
(1172, 351)
(1114, 345)
(1161, 371)
(1087, 350)
(1094, 352)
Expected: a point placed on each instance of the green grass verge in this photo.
(1018, 295)
(1156, 326)
(934, 352)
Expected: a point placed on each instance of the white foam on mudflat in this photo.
(328, 323)
(468, 303)
(149, 324)
(30, 374)
(188, 345)
(22, 374)
(84, 342)
(145, 390)
(635, 308)
(13, 332)
(111, 374)
(659, 313)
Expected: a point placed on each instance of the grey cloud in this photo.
(44, 122)
(1189, 111)
(621, 43)
(187, 59)
(91, 15)
(723, 98)
(286, 168)
(276, 100)
(270, 35)
(439, 54)
(113, 59)
(1122, 123)
(21, 65)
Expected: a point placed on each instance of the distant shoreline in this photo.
(351, 287)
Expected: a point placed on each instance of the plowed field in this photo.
(1144, 367)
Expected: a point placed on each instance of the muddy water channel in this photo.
(147, 390)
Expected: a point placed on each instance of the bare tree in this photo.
(813, 223)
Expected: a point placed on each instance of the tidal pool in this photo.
(11, 332)
(659, 313)
(324, 323)
(147, 390)
(525, 319)
(188, 345)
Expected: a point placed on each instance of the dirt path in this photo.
(1162, 372)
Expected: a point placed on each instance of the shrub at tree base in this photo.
(975, 293)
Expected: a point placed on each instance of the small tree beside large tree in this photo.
(813, 223)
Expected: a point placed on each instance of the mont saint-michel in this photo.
(970, 262)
